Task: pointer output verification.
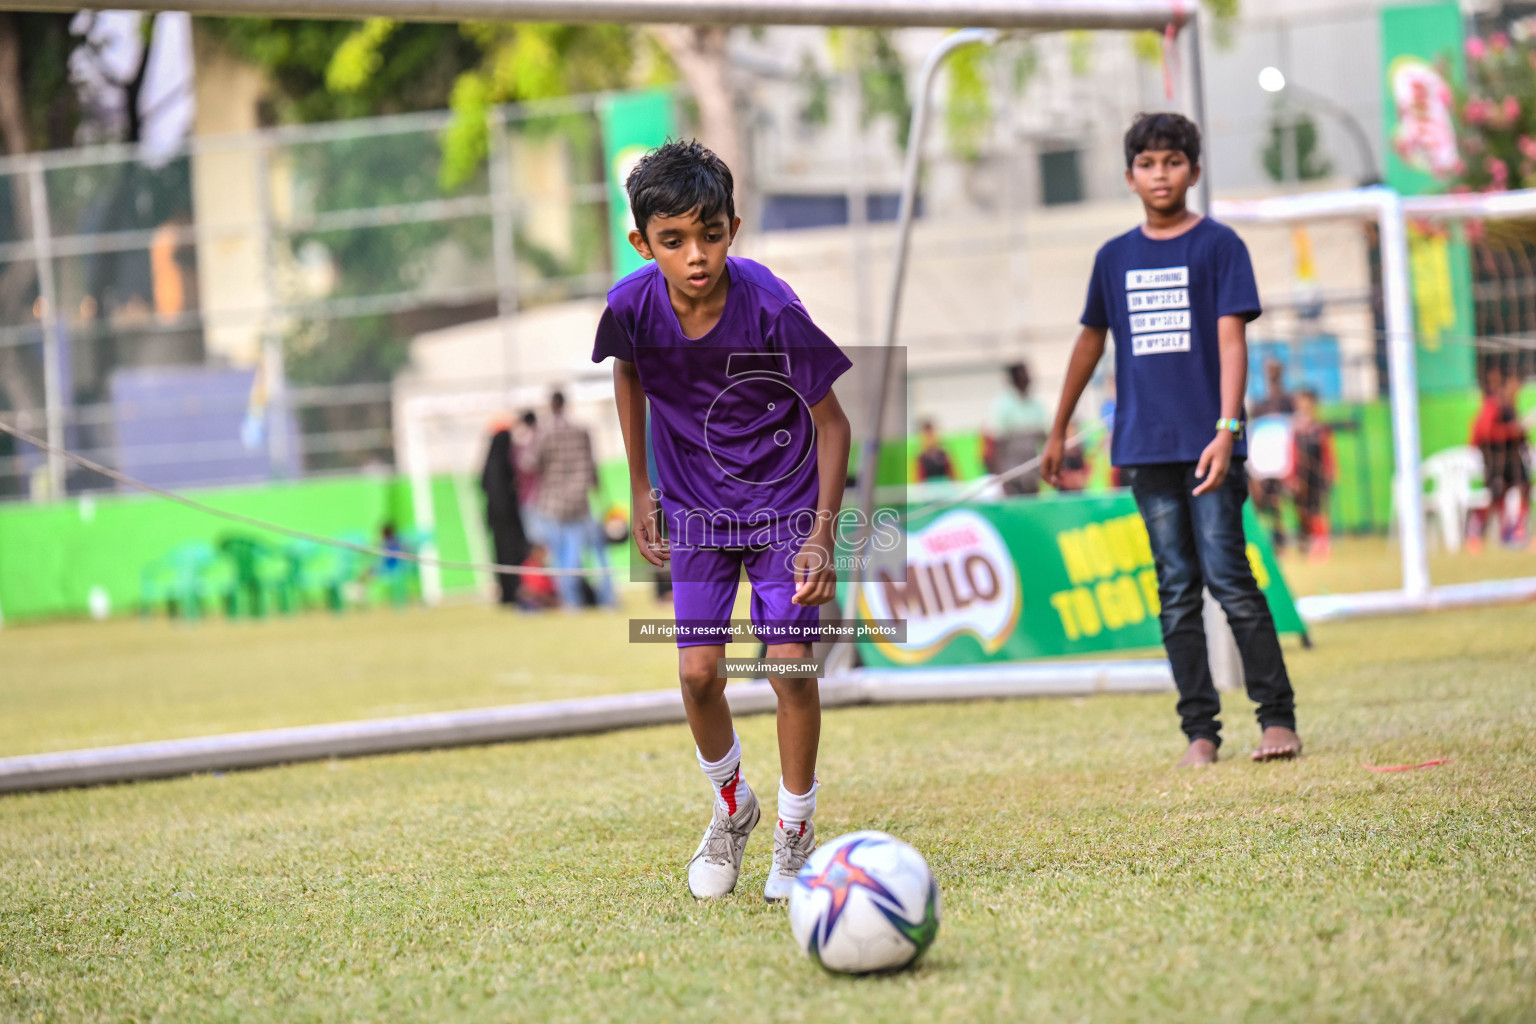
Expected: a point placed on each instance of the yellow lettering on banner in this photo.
(1097, 548)
(1087, 613)
(1148, 580)
(1256, 561)
(1130, 600)
(1122, 543)
(1062, 602)
(1108, 596)
(1073, 556)
(1143, 541)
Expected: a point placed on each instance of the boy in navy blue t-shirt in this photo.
(1177, 293)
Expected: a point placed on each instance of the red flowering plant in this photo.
(1496, 112)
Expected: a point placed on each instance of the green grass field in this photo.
(1083, 879)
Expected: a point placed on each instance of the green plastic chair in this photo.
(260, 577)
(327, 570)
(180, 580)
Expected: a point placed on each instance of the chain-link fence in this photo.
(241, 310)
(235, 311)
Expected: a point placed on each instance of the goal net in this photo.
(1413, 321)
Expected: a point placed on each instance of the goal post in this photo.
(1385, 207)
(1392, 215)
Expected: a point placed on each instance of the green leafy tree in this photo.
(39, 109)
(331, 70)
(1311, 164)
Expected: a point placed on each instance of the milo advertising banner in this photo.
(1422, 65)
(1020, 580)
(633, 123)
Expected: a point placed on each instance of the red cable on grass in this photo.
(1405, 767)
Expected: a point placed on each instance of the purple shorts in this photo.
(704, 582)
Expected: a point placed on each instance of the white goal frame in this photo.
(1391, 212)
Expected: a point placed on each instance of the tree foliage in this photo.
(39, 109)
(333, 70)
(381, 68)
(1302, 133)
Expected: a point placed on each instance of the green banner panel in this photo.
(1422, 65)
(55, 556)
(1019, 580)
(633, 123)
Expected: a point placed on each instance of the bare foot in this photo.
(1278, 744)
(1200, 753)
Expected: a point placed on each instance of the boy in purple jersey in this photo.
(751, 451)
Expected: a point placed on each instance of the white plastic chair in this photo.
(1454, 478)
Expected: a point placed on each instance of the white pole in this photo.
(420, 473)
(503, 260)
(869, 453)
(273, 370)
(858, 210)
(1403, 378)
(1197, 108)
(1036, 14)
(53, 371)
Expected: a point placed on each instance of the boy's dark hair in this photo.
(557, 401)
(1308, 392)
(530, 419)
(676, 178)
(1162, 131)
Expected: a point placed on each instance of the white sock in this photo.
(795, 811)
(725, 776)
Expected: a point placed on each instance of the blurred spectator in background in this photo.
(525, 449)
(1107, 421)
(1266, 491)
(538, 590)
(503, 514)
(567, 476)
(932, 460)
(1016, 432)
(1312, 474)
(1074, 464)
(1498, 433)
(389, 540)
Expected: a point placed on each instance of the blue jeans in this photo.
(1198, 542)
(567, 539)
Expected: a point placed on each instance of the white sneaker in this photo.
(716, 864)
(790, 852)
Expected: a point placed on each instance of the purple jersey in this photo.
(730, 411)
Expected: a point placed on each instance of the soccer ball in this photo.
(865, 902)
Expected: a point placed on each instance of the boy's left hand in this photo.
(815, 574)
(1214, 462)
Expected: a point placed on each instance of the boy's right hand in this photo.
(647, 529)
(1050, 458)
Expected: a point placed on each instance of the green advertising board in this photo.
(1422, 65)
(1019, 580)
(633, 123)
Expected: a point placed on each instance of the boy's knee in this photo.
(792, 688)
(797, 691)
(698, 675)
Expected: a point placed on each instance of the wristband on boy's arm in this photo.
(1230, 425)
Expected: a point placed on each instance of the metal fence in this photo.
(235, 310)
